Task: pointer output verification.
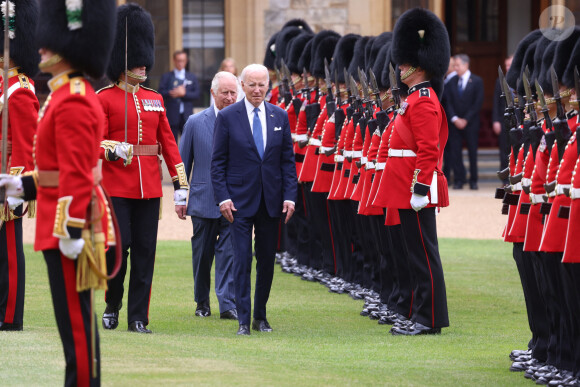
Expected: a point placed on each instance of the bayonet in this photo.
(577, 84)
(280, 84)
(394, 87)
(544, 106)
(354, 93)
(367, 98)
(556, 93)
(305, 89)
(530, 105)
(375, 89)
(289, 78)
(348, 89)
(328, 81)
(337, 87)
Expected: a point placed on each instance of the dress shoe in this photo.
(244, 330)
(139, 327)
(414, 329)
(518, 352)
(473, 186)
(10, 327)
(111, 317)
(203, 309)
(261, 326)
(457, 186)
(231, 314)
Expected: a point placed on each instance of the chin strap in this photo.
(408, 73)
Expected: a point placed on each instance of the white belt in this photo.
(326, 148)
(301, 137)
(363, 160)
(526, 182)
(517, 187)
(575, 193)
(380, 166)
(370, 165)
(552, 194)
(347, 153)
(293, 136)
(434, 197)
(315, 142)
(401, 153)
(338, 158)
(357, 154)
(560, 188)
(537, 199)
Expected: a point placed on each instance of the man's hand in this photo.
(227, 209)
(288, 209)
(460, 123)
(419, 201)
(180, 210)
(70, 247)
(177, 92)
(497, 128)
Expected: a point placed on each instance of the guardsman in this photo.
(413, 169)
(131, 165)
(66, 153)
(22, 117)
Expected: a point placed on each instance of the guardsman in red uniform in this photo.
(22, 117)
(66, 153)
(131, 165)
(413, 169)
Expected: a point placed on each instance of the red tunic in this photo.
(340, 193)
(515, 209)
(325, 164)
(300, 138)
(70, 130)
(572, 245)
(339, 161)
(519, 225)
(420, 127)
(308, 171)
(367, 180)
(274, 95)
(146, 125)
(357, 148)
(359, 185)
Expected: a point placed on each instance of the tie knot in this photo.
(256, 110)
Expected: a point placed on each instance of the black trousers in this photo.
(299, 223)
(401, 300)
(12, 271)
(177, 128)
(339, 226)
(456, 138)
(73, 314)
(322, 251)
(429, 296)
(571, 279)
(138, 222)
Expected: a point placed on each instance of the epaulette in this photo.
(424, 92)
(24, 81)
(147, 88)
(106, 87)
(77, 86)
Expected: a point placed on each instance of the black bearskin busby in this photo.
(544, 78)
(270, 55)
(86, 43)
(322, 48)
(420, 39)
(23, 50)
(304, 59)
(358, 57)
(568, 76)
(343, 55)
(528, 61)
(378, 43)
(563, 51)
(516, 68)
(541, 46)
(298, 23)
(283, 41)
(296, 50)
(140, 41)
(380, 64)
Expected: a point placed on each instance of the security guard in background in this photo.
(22, 117)
(132, 168)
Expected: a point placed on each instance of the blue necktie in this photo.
(459, 86)
(258, 138)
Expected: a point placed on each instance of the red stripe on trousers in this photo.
(430, 274)
(76, 321)
(12, 272)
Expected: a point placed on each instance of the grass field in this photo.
(318, 339)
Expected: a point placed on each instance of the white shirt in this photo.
(180, 74)
(262, 115)
(215, 109)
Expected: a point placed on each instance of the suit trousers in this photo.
(72, 311)
(265, 234)
(177, 128)
(12, 271)
(212, 237)
(429, 296)
(138, 221)
(456, 137)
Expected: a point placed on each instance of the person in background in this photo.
(497, 118)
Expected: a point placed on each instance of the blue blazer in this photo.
(195, 148)
(169, 82)
(237, 171)
(468, 105)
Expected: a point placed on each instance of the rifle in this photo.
(305, 90)
(330, 102)
(4, 162)
(375, 90)
(561, 128)
(394, 87)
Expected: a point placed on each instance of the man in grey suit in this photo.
(211, 231)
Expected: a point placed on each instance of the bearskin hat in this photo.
(568, 75)
(23, 18)
(358, 57)
(140, 41)
(270, 55)
(322, 48)
(283, 40)
(562, 55)
(544, 78)
(541, 46)
(296, 50)
(343, 55)
(84, 37)
(298, 23)
(378, 43)
(380, 65)
(528, 61)
(420, 39)
(516, 68)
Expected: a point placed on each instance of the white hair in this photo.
(215, 83)
(254, 67)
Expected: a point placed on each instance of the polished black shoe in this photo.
(231, 314)
(244, 330)
(473, 186)
(10, 327)
(203, 309)
(457, 186)
(414, 329)
(111, 317)
(519, 352)
(261, 326)
(139, 327)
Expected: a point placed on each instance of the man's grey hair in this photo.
(215, 83)
(252, 68)
(463, 57)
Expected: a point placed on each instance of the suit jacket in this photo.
(238, 173)
(195, 147)
(168, 83)
(468, 105)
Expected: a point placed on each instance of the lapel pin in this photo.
(271, 115)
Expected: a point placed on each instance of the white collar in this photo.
(215, 109)
(250, 108)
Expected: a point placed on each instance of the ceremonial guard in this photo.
(416, 184)
(22, 117)
(74, 39)
(137, 133)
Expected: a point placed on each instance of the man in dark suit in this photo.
(254, 181)
(211, 231)
(462, 99)
(179, 88)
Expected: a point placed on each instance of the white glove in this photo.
(13, 185)
(419, 201)
(71, 248)
(180, 197)
(125, 151)
(14, 202)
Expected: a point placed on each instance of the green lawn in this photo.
(318, 339)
